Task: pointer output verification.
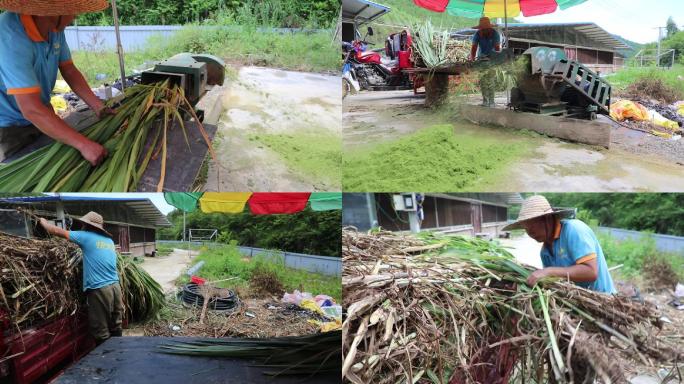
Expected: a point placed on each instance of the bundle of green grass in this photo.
(133, 136)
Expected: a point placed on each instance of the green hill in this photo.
(403, 13)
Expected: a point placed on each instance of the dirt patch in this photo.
(653, 87)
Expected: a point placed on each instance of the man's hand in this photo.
(105, 111)
(536, 276)
(53, 229)
(93, 152)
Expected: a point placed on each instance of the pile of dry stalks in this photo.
(39, 279)
(448, 309)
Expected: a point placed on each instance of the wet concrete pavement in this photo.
(264, 101)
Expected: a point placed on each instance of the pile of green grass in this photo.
(227, 261)
(435, 159)
(316, 155)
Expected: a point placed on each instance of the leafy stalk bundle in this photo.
(42, 279)
(431, 45)
(39, 279)
(293, 355)
(449, 309)
(143, 296)
(134, 136)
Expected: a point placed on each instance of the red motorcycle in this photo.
(376, 73)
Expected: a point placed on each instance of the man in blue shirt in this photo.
(100, 274)
(570, 251)
(485, 41)
(32, 50)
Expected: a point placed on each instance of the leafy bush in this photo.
(227, 262)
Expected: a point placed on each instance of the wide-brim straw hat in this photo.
(535, 207)
(94, 221)
(484, 23)
(53, 7)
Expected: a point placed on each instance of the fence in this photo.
(313, 263)
(135, 37)
(664, 243)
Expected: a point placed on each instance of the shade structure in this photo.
(269, 203)
(185, 201)
(224, 202)
(496, 8)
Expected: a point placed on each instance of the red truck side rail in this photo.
(40, 350)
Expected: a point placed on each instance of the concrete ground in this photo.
(636, 161)
(166, 269)
(264, 101)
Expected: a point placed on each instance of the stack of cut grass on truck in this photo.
(432, 48)
(450, 309)
(41, 280)
(133, 137)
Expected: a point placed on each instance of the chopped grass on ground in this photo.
(227, 262)
(317, 155)
(435, 159)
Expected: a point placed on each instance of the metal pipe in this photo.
(119, 47)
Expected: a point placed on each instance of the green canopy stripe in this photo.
(185, 201)
(565, 4)
(467, 8)
(326, 201)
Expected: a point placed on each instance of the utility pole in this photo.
(660, 37)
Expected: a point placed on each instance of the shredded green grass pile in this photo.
(318, 156)
(432, 160)
(61, 168)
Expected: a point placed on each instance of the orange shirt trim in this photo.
(31, 28)
(23, 91)
(584, 259)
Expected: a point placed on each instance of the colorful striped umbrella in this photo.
(496, 8)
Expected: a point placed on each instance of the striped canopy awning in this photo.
(496, 8)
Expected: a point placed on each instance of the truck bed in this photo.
(133, 360)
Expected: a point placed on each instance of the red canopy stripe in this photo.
(537, 7)
(433, 5)
(266, 203)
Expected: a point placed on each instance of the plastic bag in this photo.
(58, 103)
(61, 86)
(658, 119)
(627, 109)
(311, 306)
(296, 297)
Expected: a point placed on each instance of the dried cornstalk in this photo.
(459, 311)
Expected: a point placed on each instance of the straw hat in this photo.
(535, 207)
(53, 7)
(94, 221)
(484, 23)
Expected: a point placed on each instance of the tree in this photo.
(671, 27)
(310, 232)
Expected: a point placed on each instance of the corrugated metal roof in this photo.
(134, 211)
(591, 30)
(362, 11)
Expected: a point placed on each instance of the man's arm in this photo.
(80, 86)
(585, 272)
(53, 229)
(45, 119)
(473, 51)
